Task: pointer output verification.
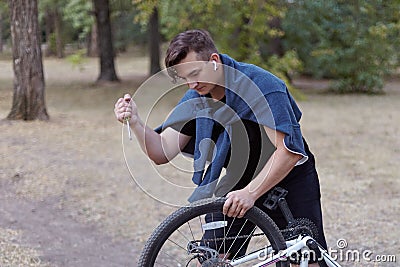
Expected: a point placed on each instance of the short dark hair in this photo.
(199, 41)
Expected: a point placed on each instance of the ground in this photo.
(67, 197)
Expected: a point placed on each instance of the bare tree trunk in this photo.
(53, 29)
(106, 50)
(49, 29)
(92, 43)
(29, 87)
(154, 42)
(1, 32)
(275, 46)
(58, 34)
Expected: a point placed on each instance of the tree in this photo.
(106, 50)
(248, 26)
(148, 16)
(53, 16)
(154, 42)
(80, 14)
(29, 87)
(1, 31)
(3, 10)
(354, 42)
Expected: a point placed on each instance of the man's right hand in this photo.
(125, 108)
(160, 148)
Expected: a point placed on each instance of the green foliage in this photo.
(77, 59)
(145, 8)
(125, 30)
(285, 68)
(52, 44)
(5, 22)
(54, 5)
(355, 42)
(239, 28)
(79, 13)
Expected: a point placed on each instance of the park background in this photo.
(66, 195)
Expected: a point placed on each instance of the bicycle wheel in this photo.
(180, 239)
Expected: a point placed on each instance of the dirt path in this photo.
(61, 240)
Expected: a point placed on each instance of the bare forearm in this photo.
(276, 169)
(150, 142)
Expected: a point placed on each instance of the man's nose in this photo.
(192, 84)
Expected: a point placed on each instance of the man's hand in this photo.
(125, 108)
(238, 203)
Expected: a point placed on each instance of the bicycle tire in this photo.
(181, 216)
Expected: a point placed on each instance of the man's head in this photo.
(193, 57)
(198, 41)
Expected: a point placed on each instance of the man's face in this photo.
(199, 75)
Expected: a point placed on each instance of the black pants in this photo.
(303, 199)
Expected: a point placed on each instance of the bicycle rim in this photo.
(167, 246)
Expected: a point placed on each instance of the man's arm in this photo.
(278, 166)
(160, 148)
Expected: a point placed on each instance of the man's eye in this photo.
(194, 74)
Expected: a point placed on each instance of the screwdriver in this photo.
(127, 122)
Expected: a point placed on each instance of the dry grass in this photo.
(77, 159)
(13, 254)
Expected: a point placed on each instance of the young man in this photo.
(251, 126)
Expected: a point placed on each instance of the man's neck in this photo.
(218, 93)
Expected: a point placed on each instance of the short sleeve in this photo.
(286, 117)
(189, 128)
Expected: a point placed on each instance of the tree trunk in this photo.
(53, 29)
(1, 32)
(92, 43)
(29, 94)
(154, 42)
(275, 46)
(104, 37)
(49, 29)
(58, 34)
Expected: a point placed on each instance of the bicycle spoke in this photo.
(172, 258)
(225, 236)
(190, 228)
(243, 243)
(241, 228)
(215, 237)
(186, 239)
(201, 223)
(179, 246)
(183, 235)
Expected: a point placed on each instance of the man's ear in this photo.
(215, 56)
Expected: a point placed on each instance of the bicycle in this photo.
(177, 242)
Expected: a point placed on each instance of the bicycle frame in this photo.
(299, 244)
